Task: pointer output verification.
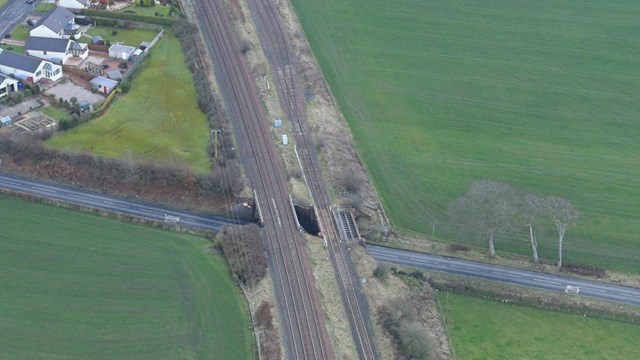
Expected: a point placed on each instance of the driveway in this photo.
(67, 90)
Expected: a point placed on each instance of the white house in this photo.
(55, 50)
(103, 85)
(27, 68)
(7, 85)
(123, 52)
(74, 4)
(57, 24)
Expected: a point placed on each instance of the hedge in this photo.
(130, 17)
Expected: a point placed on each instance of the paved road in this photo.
(13, 13)
(534, 279)
(110, 203)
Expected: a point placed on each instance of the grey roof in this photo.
(101, 80)
(56, 20)
(122, 48)
(114, 74)
(75, 46)
(18, 61)
(96, 38)
(46, 44)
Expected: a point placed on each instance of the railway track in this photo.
(277, 46)
(304, 329)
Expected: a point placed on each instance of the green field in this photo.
(77, 286)
(157, 119)
(20, 32)
(56, 113)
(132, 37)
(541, 95)
(486, 329)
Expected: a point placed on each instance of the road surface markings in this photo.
(43, 189)
(513, 276)
(150, 212)
(546, 281)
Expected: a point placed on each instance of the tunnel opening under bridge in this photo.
(307, 219)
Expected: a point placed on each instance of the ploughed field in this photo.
(487, 329)
(158, 119)
(542, 96)
(77, 286)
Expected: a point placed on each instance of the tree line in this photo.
(491, 209)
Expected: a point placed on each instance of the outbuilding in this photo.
(122, 52)
(103, 85)
(7, 85)
(97, 39)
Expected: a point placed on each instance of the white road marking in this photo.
(43, 189)
(546, 281)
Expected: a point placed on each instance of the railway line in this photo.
(304, 328)
(277, 46)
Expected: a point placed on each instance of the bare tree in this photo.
(485, 210)
(530, 208)
(563, 215)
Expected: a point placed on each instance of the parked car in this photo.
(82, 20)
(29, 1)
(31, 22)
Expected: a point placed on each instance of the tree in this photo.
(530, 208)
(485, 210)
(563, 215)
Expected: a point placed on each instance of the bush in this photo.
(243, 250)
(459, 248)
(381, 272)
(585, 270)
(398, 318)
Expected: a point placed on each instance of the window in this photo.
(38, 73)
(44, 52)
(56, 72)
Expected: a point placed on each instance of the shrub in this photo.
(243, 250)
(381, 272)
(458, 248)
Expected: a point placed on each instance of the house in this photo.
(7, 85)
(28, 68)
(54, 25)
(122, 52)
(55, 50)
(6, 121)
(74, 4)
(103, 85)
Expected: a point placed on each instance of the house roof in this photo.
(20, 62)
(56, 20)
(122, 48)
(46, 44)
(114, 74)
(101, 80)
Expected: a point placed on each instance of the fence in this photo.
(136, 63)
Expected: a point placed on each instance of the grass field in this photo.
(485, 329)
(20, 32)
(77, 286)
(15, 48)
(539, 95)
(158, 119)
(55, 113)
(132, 37)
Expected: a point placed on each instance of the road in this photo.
(575, 287)
(110, 203)
(595, 289)
(13, 13)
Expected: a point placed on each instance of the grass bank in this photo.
(542, 96)
(157, 119)
(486, 329)
(88, 287)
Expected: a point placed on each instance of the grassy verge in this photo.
(441, 94)
(131, 37)
(481, 329)
(20, 32)
(157, 119)
(89, 287)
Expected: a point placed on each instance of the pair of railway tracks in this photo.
(277, 46)
(306, 336)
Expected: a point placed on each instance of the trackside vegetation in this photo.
(541, 96)
(77, 286)
(483, 329)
